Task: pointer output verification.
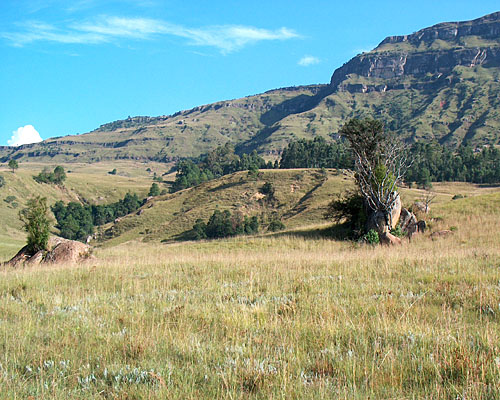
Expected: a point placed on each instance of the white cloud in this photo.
(226, 38)
(24, 135)
(308, 60)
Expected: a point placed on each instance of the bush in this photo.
(372, 237)
(2, 181)
(113, 172)
(348, 208)
(276, 225)
(397, 231)
(268, 189)
(458, 196)
(58, 176)
(36, 223)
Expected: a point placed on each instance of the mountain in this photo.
(441, 83)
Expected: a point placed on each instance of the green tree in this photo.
(13, 165)
(36, 222)
(59, 175)
(154, 190)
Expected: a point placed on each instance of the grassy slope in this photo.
(90, 183)
(283, 316)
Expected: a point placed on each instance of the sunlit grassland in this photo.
(89, 183)
(284, 316)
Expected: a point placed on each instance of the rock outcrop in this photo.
(60, 251)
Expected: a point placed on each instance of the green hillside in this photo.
(441, 83)
(84, 183)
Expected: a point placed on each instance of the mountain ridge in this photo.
(440, 83)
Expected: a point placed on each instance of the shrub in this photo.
(397, 231)
(113, 172)
(58, 176)
(276, 225)
(348, 208)
(36, 223)
(268, 189)
(372, 237)
(2, 181)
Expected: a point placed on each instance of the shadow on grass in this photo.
(334, 232)
(225, 186)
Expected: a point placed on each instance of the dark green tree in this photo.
(154, 190)
(59, 175)
(36, 222)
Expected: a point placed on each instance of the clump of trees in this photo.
(77, 222)
(223, 224)
(316, 153)
(57, 177)
(36, 223)
(219, 162)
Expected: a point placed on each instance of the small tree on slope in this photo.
(36, 223)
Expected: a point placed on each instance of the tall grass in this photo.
(267, 317)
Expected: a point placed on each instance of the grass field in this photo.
(290, 316)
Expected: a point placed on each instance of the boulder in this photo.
(389, 239)
(407, 221)
(68, 251)
(395, 211)
(421, 226)
(60, 251)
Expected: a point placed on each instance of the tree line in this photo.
(432, 162)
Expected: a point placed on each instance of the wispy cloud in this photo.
(306, 61)
(226, 38)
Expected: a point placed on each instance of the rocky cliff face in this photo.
(432, 51)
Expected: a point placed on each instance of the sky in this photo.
(66, 67)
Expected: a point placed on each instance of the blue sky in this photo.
(69, 66)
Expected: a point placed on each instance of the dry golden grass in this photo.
(280, 316)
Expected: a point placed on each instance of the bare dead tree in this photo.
(381, 161)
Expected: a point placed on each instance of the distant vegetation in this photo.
(316, 153)
(77, 222)
(57, 177)
(219, 162)
(224, 224)
(433, 162)
(2, 181)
